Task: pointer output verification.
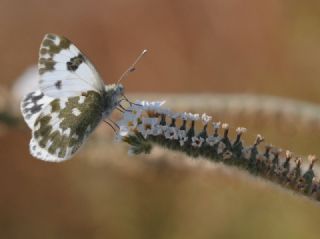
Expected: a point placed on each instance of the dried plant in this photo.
(145, 124)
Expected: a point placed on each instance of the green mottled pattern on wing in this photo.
(80, 126)
(49, 47)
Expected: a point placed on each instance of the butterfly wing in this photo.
(63, 126)
(64, 70)
(32, 105)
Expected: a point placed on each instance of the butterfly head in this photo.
(119, 88)
(114, 89)
(112, 95)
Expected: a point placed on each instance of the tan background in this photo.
(261, 47)
(269, 47)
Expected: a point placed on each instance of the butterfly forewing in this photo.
(64, 70)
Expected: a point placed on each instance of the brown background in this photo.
(269, 47)
(213, 46)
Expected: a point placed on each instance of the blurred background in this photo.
(196, 49)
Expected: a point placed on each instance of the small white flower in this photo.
(127, 124)
(123, 131)
(147, 127)
(197, 141)
(211, 140)
(151, 105)
(150, 121)
(225, 126)
(246, 153)
(130, 123)
(216, 125)
(312, 158)
(156, 130)
(144, 130)
(182, 135)
(130, 118)
(163, 111)
(164, 128)
(181, 141)
(289, 154)
(193, 117)
(135, 109)
(118, 138)
(171, 133)
(259, 139)
(241, 130)
(221, 147)
(184, 116)
(174, 115)
(157, 104)
(205, 118)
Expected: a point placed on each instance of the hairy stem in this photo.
(154, 125)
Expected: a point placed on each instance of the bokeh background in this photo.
(195, 47)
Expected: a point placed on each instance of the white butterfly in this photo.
(71, 102)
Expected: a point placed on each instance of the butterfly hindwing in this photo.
(32, 105)
(64, 70)
(63, 126)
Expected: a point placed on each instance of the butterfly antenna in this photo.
(132, 67)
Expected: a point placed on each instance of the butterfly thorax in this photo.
(111, 98)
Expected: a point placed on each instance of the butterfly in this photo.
(70, 103)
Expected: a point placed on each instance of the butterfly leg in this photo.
(112, 124)
(118, 108)
(121, 108)
(129, 101)
(122, 100)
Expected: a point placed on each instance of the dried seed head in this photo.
(184, 116)
(225, 126)
(259, 139)
(216, 125)
(312, 159)
(141, 130)
(174, 115)
(298, 162)
(288, 154)
(193, 117)
(269, 147)
(205, 118)
(241, 130)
